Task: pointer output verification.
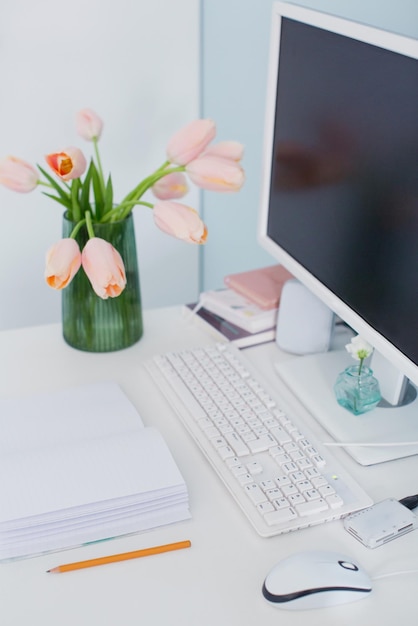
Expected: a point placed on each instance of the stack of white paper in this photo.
(79, 466)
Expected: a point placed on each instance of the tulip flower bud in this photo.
(190, 141)
(181, 221)
(68, 164)
(63, 261)
(216, 174)
(104, 268)
(18, 175)
(226, 149)
(88, 124)
(171, 186)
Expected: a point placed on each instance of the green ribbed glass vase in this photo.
(95, 325)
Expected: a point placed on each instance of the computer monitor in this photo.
(339, 203)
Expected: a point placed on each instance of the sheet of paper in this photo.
(64, 416)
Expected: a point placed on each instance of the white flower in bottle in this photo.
(359, 349)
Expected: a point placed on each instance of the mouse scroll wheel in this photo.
(348, 565)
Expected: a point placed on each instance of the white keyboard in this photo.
(279, 475)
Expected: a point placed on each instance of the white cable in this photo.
(398, 573)
(369, 444)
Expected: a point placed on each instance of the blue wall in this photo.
(235, 46)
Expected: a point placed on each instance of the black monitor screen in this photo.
(344, 188)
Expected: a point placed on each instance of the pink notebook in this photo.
(262, 286)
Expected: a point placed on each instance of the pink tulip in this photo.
(18, 175)
(173, 185)
(68, 164)
(181, 221)
(216, 174)
(226, 149)
(190, 141)
(63, 261)
(88, 124)
(104, 268)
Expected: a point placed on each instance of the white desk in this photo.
(217, 582)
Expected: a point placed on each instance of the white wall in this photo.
(136, 63)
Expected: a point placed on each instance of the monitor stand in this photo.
(311, 379)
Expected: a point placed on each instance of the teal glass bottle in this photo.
(91, 323)
(357, 392)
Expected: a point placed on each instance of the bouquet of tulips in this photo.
(89, 200)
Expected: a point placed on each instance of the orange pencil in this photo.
(114, 558)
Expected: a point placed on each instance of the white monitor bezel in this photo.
(388, 40)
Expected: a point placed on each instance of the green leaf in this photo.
(98, 193)
(62, 192)
(85, 189)
(64, 202)
(108, 199)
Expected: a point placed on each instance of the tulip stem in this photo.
(89, 225)
(42, 182)
(163, 166)
(76, 229)
(133, 197)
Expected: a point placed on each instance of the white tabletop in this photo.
(217, 582)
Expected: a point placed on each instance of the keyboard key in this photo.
(312, 494)
(281, 459)
(280, 516)
(289, 467)
(280, 435)
(334, 501)
(281, 503)
(217, 442)
(276, 451)
(318, 481)
(273, 494)
(318, 460)
(267, 485)
(255, 494)
(261, 444)
(326, 490)
(297, 477)
(295, 499)
(225, 452)
(289, 489)
(212, 432)
(282, 480)
(233, 462)
(254, 468)
(304, 485)
(245, 479)
(265, 507)
(237, 444)
(311, 508)
(304, 463)
(238, 470)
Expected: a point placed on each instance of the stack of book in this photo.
(79, 466)
(245, 311)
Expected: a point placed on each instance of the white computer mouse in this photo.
(315, 579)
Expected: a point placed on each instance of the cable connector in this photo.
(410, 502)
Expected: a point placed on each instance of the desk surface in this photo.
(217, 582)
